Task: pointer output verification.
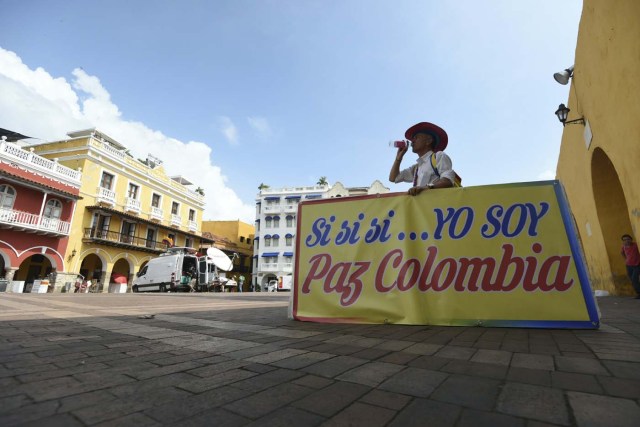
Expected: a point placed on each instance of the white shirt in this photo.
(425, 173)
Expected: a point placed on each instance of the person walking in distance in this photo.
(631, 257)
(433, 169)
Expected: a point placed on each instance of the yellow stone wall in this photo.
(602, 180)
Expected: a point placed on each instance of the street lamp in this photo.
(562, 112)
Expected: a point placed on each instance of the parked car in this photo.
(272, 286)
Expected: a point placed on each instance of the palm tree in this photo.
(323, 181)
(262, 186)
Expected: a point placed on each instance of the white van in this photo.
(180, 269)
(284, 283)
(170, 271)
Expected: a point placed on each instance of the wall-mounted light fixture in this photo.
(563, 112)
(73, 253)
(563, 76)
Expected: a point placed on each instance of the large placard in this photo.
(498, 255)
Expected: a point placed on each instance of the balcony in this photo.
(176, 220)
(287, 267)
(291, 208)
(28, 222)
(156, 213)
(193, 226)
(269, 266)
(131, 205)
(112, 238)
(272, 208)
(49, 168)
(104, 195)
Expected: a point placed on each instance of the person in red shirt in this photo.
(632, 260)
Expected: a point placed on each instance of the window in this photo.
(241, 239)
(100, 225)
(175, 208)
(267, 241)
(151, 238)
(106, 181)
(128, 231)
(276, 221)
(192, 215)
(276, 240)
(268, 222)
(288, 240)
(7, 196)
(133, 191)
(155, 200)
(248, 241)
(188, 242)
(53, 209)
(290, 221)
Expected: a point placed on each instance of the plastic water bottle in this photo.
(398, 143)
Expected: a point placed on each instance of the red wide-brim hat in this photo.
(439, 135)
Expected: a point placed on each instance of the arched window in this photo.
(290, 222)
(7, 196)
(53, 209)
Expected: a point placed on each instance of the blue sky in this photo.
(231, 94)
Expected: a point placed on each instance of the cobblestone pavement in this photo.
(235, 359)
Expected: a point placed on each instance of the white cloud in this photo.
(228, 129)
(36, 104)
(261, 126)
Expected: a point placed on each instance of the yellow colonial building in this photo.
(599, 162)
(130, 210)
(233, 237)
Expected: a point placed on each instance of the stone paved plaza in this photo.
(235, 360)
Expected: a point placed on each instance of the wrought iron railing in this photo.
(125, 239)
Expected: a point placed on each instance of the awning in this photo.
(270, 254)
(257, 220)
(288, 254)
(292, 197)
(256, 238)
(313, 196)
(255, 256)
(275, 236)
(272, 198)
(289, 235)
(276, 217)
(267, 236)
(268, 218)
(290, 217)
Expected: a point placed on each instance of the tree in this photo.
(323, 181)
(262, 186)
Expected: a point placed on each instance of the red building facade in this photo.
(37, 203)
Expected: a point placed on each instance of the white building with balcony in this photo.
(275, 225)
